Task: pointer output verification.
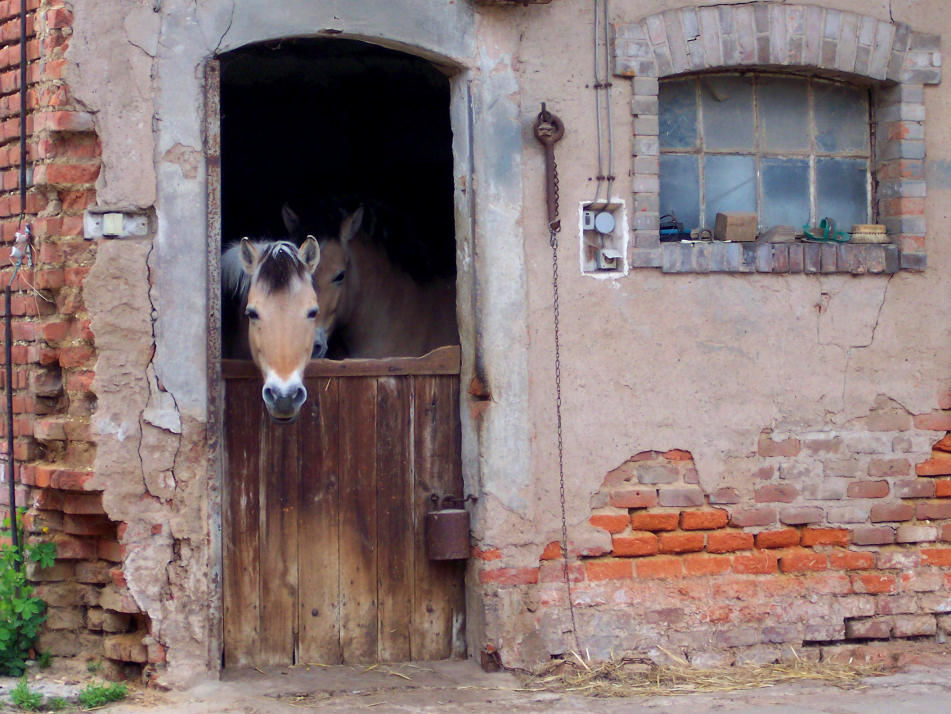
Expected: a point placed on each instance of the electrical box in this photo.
(603, 238)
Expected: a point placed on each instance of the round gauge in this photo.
(604, 223)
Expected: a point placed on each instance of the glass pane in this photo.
(841, 118)
(727, 104)
(730, 185)
(785, 192)
(842, 191)
(783, 105)
(677, 102)
(680, 188)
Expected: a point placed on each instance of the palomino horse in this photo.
(273, 284)
(371, 307)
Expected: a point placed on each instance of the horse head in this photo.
(282, 312)
(335, 281)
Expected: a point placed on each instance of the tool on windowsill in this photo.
(826, 233)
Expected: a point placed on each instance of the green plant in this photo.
(55, 704)
(97, 695)
(21, 613)
(44, 660)
(94, 665)
(25, 698)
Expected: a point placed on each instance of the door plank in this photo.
(395, 510)
(435, 607)
(279, 473)
(240, 545)
(319, 638)
(358, 520)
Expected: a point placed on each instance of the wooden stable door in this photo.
(324, 528)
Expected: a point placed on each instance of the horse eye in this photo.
(252, 313)
(338, 278)
(312, 313)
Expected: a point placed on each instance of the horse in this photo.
(272, 283)
(370, 307)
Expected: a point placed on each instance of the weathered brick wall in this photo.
(824, 540)
(90, 611)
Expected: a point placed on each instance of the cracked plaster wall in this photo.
(706, 362)
(650, 361)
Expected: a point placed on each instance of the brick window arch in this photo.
(895, 60)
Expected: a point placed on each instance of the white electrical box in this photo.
(604, 238)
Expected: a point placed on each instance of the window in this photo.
(792, 149)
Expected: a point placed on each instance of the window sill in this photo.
(809, 258)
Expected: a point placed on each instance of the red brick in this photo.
(552, 551)
(61, 174)
(636, 544)
(882, 468)
(936, 421)
(611, 522)
(798, 561)
(70, 548)
(488, 554)
(681, 542)
(678, 455)
(933, 510)
(883, 512)
(49, 500)
(825, 536)
(89, 526)
(874, 583)
(758, 563)
(704, 520)
(707, 564)
(633, 497)
(776, 493)
(936, 556)
(63, 479)
(757, 516)
(111, 551)
(729, 541)
(913, 488)
(873, 535)
(944, 443)
(551, 571)
(612, 569)
(76, 356)
(83, 504)
(660, 567)
(768, 447)
(938, 465)
(509, 576)
(851, 560)
(942, 488)
(783, 538)
(655, 521)
(867, 489)
(80, 381)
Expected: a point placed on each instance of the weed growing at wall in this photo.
(97, 695)
(21, 613)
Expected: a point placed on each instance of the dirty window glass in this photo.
(792, 149)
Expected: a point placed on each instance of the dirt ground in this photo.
(919, 682)
(922, 685)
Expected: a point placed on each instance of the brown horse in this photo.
(374, 309)
(272, 283)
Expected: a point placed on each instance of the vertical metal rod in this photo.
(22, 109)
(8, 339)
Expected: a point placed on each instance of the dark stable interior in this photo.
(327, 125)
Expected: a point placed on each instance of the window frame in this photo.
(892, 59)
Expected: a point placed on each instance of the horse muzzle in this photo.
(284, 402)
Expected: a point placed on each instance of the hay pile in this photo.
(629, 676)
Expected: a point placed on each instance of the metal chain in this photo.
(553, 228)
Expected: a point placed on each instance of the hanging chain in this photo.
(548, 130)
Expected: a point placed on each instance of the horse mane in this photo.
(279, 264)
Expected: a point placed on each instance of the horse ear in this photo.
(249, 256)
(291, 220)
(351, 225)
(309, 253)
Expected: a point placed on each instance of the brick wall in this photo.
(823, 540)
(90, 610)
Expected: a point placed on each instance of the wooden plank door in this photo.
(325, 519)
